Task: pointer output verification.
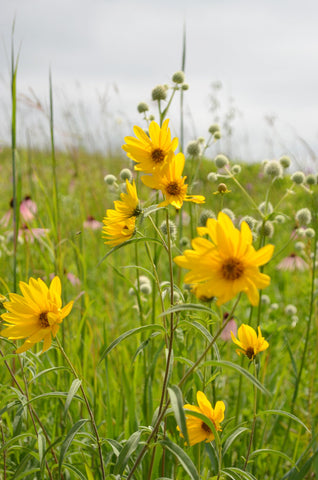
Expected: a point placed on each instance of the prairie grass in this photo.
(106, 399)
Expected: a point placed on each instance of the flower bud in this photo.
(193, 148)
(212, 177)
(266, 229)
(178, 77)
(303, 216)
(222, 188)
(214, 128)
(311, 179)
(236, 169)
(298, 178)
(266, 208)
(110, 179)
(205, 215)
(221, 161)
(159, 93)
(142, 107)
(126, 174)
(284, 161)
(273, 169)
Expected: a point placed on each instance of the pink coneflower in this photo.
(73, 279)
(291, 263)
(30, 234)
(230, 327)
(28, 209)
(92, 223)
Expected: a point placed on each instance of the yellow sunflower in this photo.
(150, 152)
(127, 207)
(36, 315)
(198, 431)
(227, 265)
(170, 181)
(249, 342)
(117, 232)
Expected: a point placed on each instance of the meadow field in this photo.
(155, 326)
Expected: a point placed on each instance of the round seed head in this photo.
(303, 216)
(193, 148)
(266, 229)
(172, 229)
(221, 161)
(290, 310)
(236, 169)
(266, 208)
(251, 222)
(159, 93)
(145, 288)
(126, 174)
(310, 233)
(184, 242)
(299, 246)
(205, 215)
(280, 219)
(178, 77)
(217, 135)
(214, 128)
(110, 179)
(185, 86)
(284, 161)
(273, 169)
(311, 179)
(265, 299)
(298, 178)
(212, 177)
(142, 107)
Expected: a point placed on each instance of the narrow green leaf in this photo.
(68, 440)
(284, 414)
(275, 452)
(153, 208)
(132, 240)
(26, 473)
(75, 470)
(72, 391)
(41, 447)
(241, 370)
(198, 327)
(188, 307)
(44, 372)
(52, 394)
(183, 458)
(241, 473)
(128, 334)
(116, 446)
(176, 400)
(301, 474)
(125, 454)
(233, 437)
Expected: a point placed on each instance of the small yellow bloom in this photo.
(249, 342)
(117, 232)
(170, 181)
(198, 431)
(127, 207)
(150, 153)
(36, 315)
(226, 265)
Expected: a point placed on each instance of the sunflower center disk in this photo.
(232, 269)
(44, 320)
(249, 352)
(158, 155)
(173, 188)
(205, 428)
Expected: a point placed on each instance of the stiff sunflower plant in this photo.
(36, 314)
(171, 182)
(227, 263)
(150, 152)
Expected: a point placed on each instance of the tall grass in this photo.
(106, 399)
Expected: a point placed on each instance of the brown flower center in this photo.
(136, 212)
(232, 269)
(206, 428)
(249, 352)
(173, 188)
(157, 155)
(44, 320)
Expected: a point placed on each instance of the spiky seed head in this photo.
(126, 174)
(142, 107)
(303, 216)
(110, 179)
(193, 148)
(212, 177)
(285, 161)
(159, 93)
(298, 178)
(221, 160)
(178, 77)
(205, 215)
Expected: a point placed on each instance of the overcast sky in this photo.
(111, 53)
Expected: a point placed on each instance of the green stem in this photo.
(14, 67)
(254, 422)
(184, 378)
(87, 406)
